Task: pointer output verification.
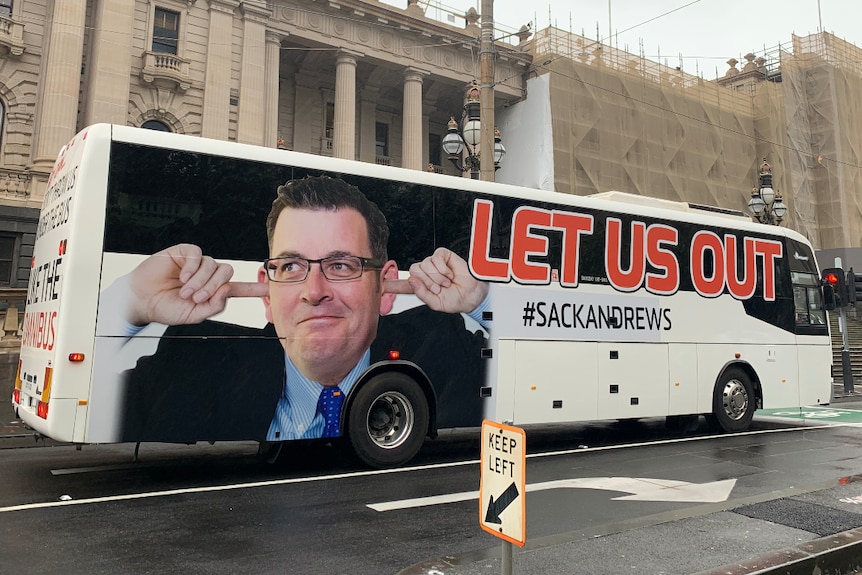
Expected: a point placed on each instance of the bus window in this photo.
(807, 301)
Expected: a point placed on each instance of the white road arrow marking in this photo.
(639, 488)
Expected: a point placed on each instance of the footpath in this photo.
(806, 531)
(823, 536)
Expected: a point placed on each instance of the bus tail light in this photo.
(16, 396)
(18, 382)
(42, 406)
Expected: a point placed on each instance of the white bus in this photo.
(522, 306)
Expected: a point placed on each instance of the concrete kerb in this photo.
(838, 554)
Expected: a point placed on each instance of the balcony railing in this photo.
(11, 35)
(14, 184)
(11, 318)
(166, 68)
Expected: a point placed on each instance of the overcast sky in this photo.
(706, 32)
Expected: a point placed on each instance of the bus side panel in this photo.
(815, 362)
(632, 380)
(69, 246)
(77, 329)
(114, 354)
(502, 380)
(778, 370)
(555, 381)
(683, 382)
(161, 196)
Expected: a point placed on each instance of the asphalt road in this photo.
(217, 509)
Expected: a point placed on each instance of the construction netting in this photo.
(822, 89)
(622, 122)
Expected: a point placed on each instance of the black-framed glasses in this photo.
(292, 269)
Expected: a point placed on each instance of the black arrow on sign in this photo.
(498, 506)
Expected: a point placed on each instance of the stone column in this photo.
(271, 82)
(251, 119)
(57, 110)
(344, 138)
(411, 134)
(215, 122)
(107, 94)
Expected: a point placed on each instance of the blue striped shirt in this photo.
(296, 415)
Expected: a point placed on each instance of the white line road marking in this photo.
(639, 488)
(298, 480)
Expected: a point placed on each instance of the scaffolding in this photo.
(623, 122)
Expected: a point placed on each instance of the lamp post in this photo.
(467, 135)
(766, 204)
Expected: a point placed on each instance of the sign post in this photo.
(502, 488)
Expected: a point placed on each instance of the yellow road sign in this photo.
(502, 488)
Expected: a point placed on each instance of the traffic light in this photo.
(854, 287)
(834, 288)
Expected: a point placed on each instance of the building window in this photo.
(7, 255)
(166, 26)
(381, 138)
(155, 125)
(329, 120)
(6, 8)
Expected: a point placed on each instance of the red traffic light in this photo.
(834, 288)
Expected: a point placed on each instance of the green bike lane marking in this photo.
(823, 414)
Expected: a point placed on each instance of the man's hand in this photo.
(178, 285)
(443, 282)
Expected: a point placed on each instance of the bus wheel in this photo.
(733, 401)
(388, 420)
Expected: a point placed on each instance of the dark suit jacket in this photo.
(216, 381)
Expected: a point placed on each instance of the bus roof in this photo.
(670, 204)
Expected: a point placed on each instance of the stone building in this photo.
(364, 80)
(355, 79)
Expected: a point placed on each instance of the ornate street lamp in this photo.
(766, 204)
(467, 136)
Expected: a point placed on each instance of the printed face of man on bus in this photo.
(325, 325)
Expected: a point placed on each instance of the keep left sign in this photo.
(502, 488)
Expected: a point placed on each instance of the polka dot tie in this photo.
(329, 404)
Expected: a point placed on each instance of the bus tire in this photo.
(733, 401)
(388, 420)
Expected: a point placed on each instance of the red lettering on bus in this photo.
(632, 278)
(740, 288)
(526, 244)
(39, 330)
(482, 265)
(667, 282)
(715, 263)
(771, 250)
(725, 272)
(51, 342)
(573, 226)
(707, 286)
